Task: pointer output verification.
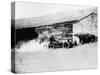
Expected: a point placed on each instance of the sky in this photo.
(30, 9)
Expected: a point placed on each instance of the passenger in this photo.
(70, 43)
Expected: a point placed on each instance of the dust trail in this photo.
(32, 46)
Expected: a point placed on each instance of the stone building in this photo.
(85, 25)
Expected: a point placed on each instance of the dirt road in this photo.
(80, 57)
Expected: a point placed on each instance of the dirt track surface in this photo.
(80, 57)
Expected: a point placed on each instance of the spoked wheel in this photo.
(70, 45)
(66, 45)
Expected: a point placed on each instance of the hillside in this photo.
(51, 18)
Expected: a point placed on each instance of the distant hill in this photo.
(50, 18)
